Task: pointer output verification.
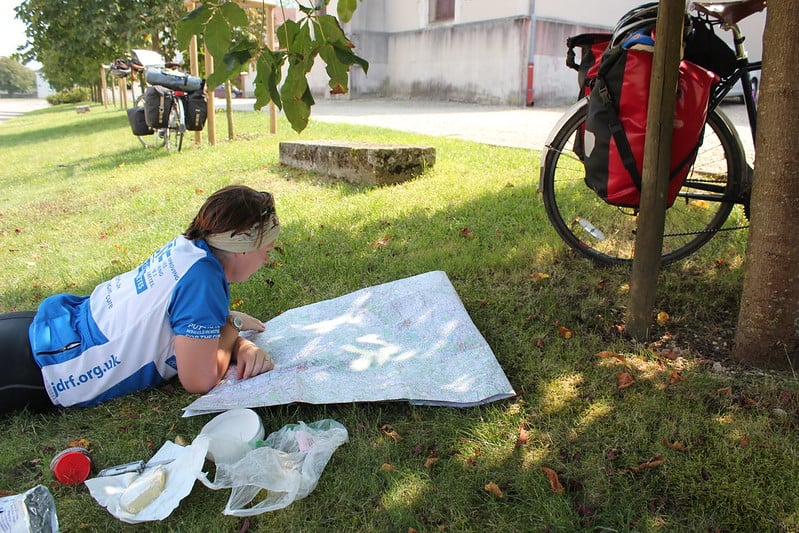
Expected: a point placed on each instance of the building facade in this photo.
(509, 52)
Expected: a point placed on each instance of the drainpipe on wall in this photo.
(530, 56)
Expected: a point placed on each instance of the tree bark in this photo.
(767, 334)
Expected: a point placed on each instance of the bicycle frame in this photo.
(741, 75)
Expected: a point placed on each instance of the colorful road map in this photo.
(410, 340)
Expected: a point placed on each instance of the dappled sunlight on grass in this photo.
(556, 394)
(594, 414)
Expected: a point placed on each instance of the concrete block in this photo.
(362, 163)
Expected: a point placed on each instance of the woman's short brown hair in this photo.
(234, 209)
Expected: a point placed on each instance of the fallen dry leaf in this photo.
(554, 482)
(675, 376)
(676, 445)
(662, 318)
(381, 242)
(538, 276)
(669, 354)
(180, 441)
(748, 400)
(522, 438)
(79, 443)
(493, 489)
(655, 461)
(466, 232)
(386, 467)
(606, 354)
(565, 332)
(727, 391)
(624, 380)
(389, 431)
(431, 460)
(744, 441)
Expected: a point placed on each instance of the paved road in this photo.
(13, 107)
(521, 127)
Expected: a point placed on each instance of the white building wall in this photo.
(484, 54)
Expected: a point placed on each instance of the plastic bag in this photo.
(287, 465)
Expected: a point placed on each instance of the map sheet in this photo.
(409, 340)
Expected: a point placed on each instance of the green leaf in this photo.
(268, 78)
(218, 36)
(345, 9)
(286, 33)
(232, 63)
(192, 23)
(297, 99)
(346, 56)
(331, 29)
(234, 14)
(336, 70)
(239, 56)
(303, 48)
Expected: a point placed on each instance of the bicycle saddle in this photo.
(730, 12)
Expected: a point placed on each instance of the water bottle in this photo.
(31, 511)
(591, 229)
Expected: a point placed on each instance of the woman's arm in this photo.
(203, 362)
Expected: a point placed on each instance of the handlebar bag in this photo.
(708, 50)
(196, 109)
(158, 102)
(615, 124)
(137, 122)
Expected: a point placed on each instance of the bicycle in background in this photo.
(171, 102)
(719, 179)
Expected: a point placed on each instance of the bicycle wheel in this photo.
(171, 137)
(606, 233)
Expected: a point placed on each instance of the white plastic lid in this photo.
(231, 433)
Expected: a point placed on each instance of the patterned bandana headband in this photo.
(247, 241)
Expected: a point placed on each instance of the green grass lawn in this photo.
(693, 444)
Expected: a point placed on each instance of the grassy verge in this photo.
(693, 444)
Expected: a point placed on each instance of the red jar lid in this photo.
(71, 466)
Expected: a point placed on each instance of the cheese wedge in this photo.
(144, 489)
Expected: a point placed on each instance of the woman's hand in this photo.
(249, 323)
(251, 360)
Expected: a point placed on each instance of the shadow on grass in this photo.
(576, 421)
(89, 124)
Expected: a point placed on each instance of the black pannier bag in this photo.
(196, 109)
(137, 122)
(591, 47)
(157, 105)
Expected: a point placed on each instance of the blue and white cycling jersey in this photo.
(121, 339)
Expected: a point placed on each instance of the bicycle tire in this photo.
(173, 133)
(607, 235)
(170, 137)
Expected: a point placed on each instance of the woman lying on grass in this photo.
(168, 316)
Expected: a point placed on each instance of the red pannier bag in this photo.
(615, 125)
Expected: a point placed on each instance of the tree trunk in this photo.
(767, 334)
